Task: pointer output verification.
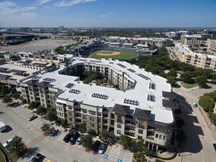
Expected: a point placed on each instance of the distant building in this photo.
(211, 46)
(191, 40)
(204, 61)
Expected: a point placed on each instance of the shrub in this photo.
(207, 103)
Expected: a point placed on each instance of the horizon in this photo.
(108, 14)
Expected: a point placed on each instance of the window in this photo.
(92, 125)
(70, 119)
(92, 112)
(164, 138)
(92, 119)
(156, 135)
(84, 116)
(119, 125)
(140, 131)
(118, 132)
(141, 123)
(69, 107)
(160, 136)
(84, 110)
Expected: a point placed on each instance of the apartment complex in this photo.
(132, 41)
(141, 108)
(191, 40)
(211, 46)
(204, 61)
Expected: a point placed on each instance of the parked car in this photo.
(33, 117)
(38, 158)
(54, 132)
(3, 127)
(194, 104)
(102, 148)
(214, 145)
(79, 141)
(14, 104)
(67, 138)
(7, 142)
(74, 138)
(95, 146)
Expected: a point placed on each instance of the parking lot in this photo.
(54, 148)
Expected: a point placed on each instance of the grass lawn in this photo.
(188, 86)
(121, 56)
(1, 157)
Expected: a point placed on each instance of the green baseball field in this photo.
(113, 54)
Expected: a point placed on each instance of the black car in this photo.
(33, 117)
(38, 158)
(54, 132)
(67, 137)
(95, 146)
(74, 138)
(214, 145)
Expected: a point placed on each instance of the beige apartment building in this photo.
(204, 61)
(211, 46)
(141, 108)
(191, 40)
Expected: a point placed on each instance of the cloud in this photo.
(30, 8)
(41, 2)
(9, 8)
(106, 15)
(73, 3)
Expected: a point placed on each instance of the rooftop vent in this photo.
(131, 102)
(121, 65)
(151, 98)
(152, 85)
(143, 76)
(49, 79)
(75, 91)
(69, 85)
(100, 96)
(131, 70)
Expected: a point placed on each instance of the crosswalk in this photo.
(114, 153)
(128, 156)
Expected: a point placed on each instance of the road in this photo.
(200, 141)
(52, 147)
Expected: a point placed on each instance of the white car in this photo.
(194, 104)
(7, 142)
(78, 141)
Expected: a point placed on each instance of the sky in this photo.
(108, 13)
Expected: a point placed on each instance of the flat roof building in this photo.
(141, 108)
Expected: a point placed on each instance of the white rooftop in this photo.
(139, 93)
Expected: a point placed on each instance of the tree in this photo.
(172, 73)
(207, 103)
(64, 123)
(187, 77)
(140, 145)
(45, 127)
(7, 99)
(87, 142)
(82, 128)
(51, 115)
(17, 146)
(171, 80)
(125, 141)
(104, 136)
(201, 81)
(41, 110)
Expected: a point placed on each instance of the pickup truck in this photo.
(3, 127)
